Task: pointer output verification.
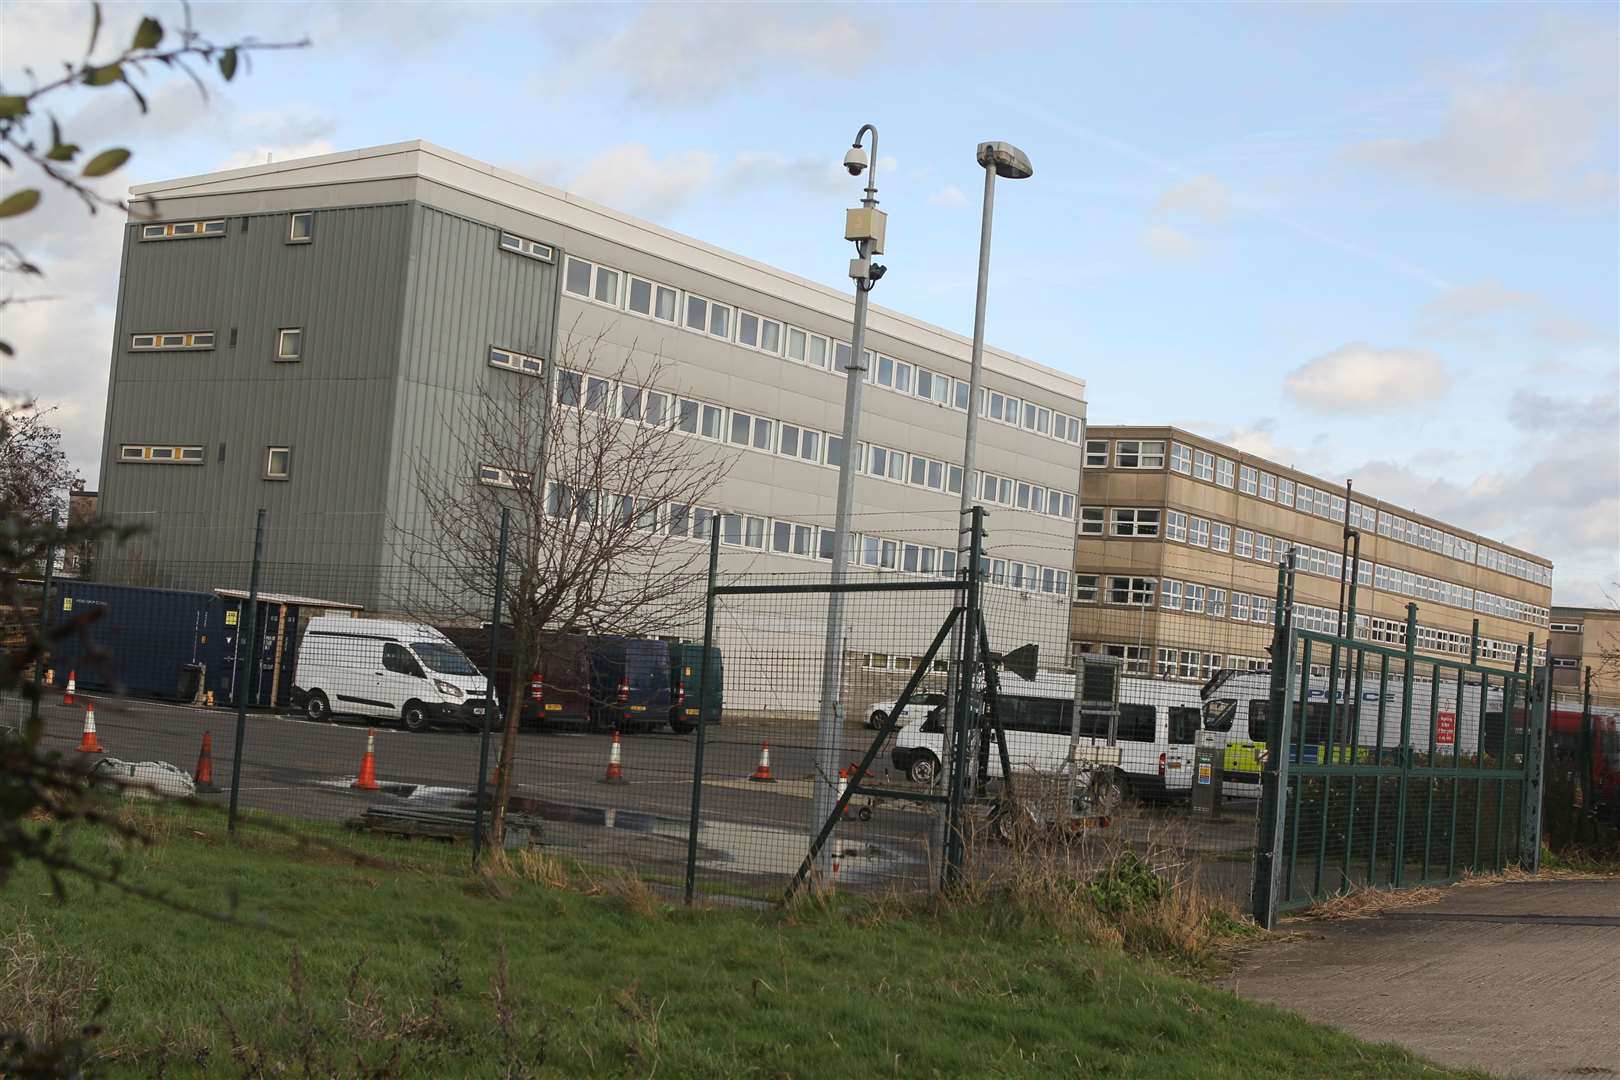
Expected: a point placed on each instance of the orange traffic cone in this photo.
(762, 772)
(88, 744)
(615, 769)
(843, 786)
(67, 698)
(203, 778)
(367, 780)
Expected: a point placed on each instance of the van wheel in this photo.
(316, 707)
(923, 770)
(682, 727)
(877, 719)
(414, 717)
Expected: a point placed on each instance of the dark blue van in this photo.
(629, 683)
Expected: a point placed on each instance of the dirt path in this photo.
(1521, 979)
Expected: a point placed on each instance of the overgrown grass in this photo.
(538, 967)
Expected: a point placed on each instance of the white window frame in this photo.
(183, 230)
(270, 472)
(1197, 531)
(1087, 588)
(1225, 472)
(654, 290)
(1203, 465)
(297, 354)
(521, 363)
(1134, 522)
(1268, 486)
(1095, 458)
(1175, 526)
(159, 454)
(172, 341)
(522, 245)
(1220, 537)
(293, 219)
(1248, 480)
(1181, 459)
(1170, 594)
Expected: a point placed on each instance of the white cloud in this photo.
(1561, 501)
(1203, 197)
(262, 153)
(1475, 310)
(631, 178)
(949, 196)
(688, 54)
(1168, 242)
(1362, 378)
(1544, 133)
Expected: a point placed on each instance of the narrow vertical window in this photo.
(290, 343)
(301, 227)
(277, 462)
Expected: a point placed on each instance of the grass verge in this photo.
(535, 968)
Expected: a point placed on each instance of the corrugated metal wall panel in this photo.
(332, 407)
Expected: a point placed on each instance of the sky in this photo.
(1372, 241)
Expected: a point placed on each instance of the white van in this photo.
(388, 670)
(1156, 731)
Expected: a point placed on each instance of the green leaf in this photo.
(148, 34)
(19, 202)
(12, 106)
(102, 76)
(227, 64)
(107, 161)
(62, 152)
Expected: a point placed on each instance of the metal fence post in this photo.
(44, 623)
(704, 687)
(1404, 750)
(490, 708)
(1535, 761)
(953, 847)
(249, 631)
(1274, 770)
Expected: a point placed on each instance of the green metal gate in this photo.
(1385, 769)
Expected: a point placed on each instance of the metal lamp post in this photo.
(1005, 160)
(865, 226)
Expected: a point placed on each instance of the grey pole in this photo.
(246, 631)
(824, 789)
(1001, 159)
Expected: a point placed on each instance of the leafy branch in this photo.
(58, 157)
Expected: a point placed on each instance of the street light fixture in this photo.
(864, 226)
(1005, 160)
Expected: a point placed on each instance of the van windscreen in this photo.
(445, 659)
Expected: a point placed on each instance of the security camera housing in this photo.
(855, 160)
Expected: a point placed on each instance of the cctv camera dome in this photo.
(855, 160)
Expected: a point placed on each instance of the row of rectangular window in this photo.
(277, 459)
(1135, 522)
(1323, 503)
(289, 342)
(772, 436)
(712, 318)
(1023, 495)
(300, 228)
(783, 537)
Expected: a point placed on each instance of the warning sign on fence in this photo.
(1445, 732)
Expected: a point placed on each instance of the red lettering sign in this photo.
(1445, 732)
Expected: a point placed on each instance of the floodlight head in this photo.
(855, 160)
(1010, 162)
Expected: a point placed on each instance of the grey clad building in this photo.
(292, 335)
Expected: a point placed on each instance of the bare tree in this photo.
(35, 475)
(604, 491)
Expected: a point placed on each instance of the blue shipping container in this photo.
(141, 641)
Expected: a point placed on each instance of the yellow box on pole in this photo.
(866, 223)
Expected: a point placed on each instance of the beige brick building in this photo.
(1180, 537)
(1586, 638)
